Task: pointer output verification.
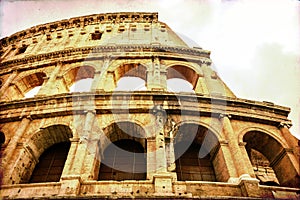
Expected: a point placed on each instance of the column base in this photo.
(163, 184)
(70, 186)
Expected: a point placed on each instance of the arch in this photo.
(34, 147)
(275, 155)
(130, 70)
(183, 72)
(123, 160)
(48, 136)
(78, 73)
(179, 85)
(195, 149)
(51, 164)
(124, 130)
(243, 132)
(130, 84)
(29, 83)
(193, 66)
(114, 65)
(199, 123)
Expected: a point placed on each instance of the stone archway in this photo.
(36, 145)
(266, 152)
(197, 154)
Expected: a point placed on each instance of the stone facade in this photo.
(150, 143)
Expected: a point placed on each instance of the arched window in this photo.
(123, 160)
(51, 164)
(194, 145)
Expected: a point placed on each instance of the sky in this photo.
(254, 44)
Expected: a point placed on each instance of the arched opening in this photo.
(131, 84)
(49, 146)
(80, 79)
(30, 85)
(271, 163)
(123, 160)
(195, 147)
(179, 85)
(83, 85)
(51, 164)
(181, 79)
(130, 77)
(31, 93)
(124, 152)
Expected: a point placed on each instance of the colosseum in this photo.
(71, 125)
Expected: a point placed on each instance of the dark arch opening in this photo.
(2, 138)
(123, 160)
(270, 161)
(51, 164)
(194, 146)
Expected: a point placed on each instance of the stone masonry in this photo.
(148, 143)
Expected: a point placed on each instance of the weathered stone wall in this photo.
(106, 48)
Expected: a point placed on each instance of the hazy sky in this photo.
(255, 44)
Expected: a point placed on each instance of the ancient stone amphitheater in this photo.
(70, 128)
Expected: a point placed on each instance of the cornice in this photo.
(81, 22)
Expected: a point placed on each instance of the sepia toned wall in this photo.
(105, 48)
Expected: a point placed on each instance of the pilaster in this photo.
(12, 146)
(156, 78)
(50, 85)
(7, 82)
(99, 82)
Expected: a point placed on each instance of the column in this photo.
(7, 82)
(233, 145)
(51, 85)
(100, 75)
(162, 179)
(76, 168)
(12, 145)
(170, 131)
(249, 186)
(109, 81)
(292, 141)
(286, 164)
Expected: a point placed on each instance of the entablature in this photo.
(142, 102)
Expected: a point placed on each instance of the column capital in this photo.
(90, 110)
(222, 115)
(157, 109)
(242, 143)
(285, 125)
